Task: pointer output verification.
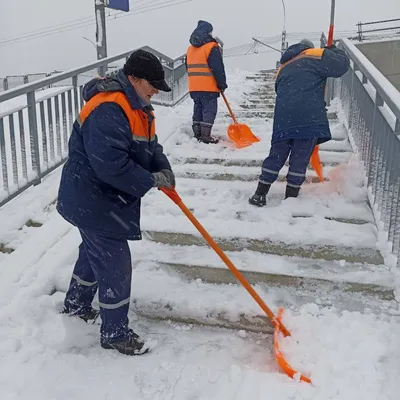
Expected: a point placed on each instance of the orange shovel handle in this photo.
(173, 195)
(229, 108)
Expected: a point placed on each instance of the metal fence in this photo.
(368, 29)
(36, 119)
(12, 81)
(371, 106)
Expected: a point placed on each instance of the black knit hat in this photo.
(145, 65)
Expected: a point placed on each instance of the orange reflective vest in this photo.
(200, 76)
(316, 54)
(142, 128)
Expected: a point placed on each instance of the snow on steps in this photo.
(337, 272)
(233, 173)
(224, 201)
(327, 159)
(265, 245)
(242, 115)
(177, 281)
(212, 181)
(160, 292)
(21, 217)
(172, 294)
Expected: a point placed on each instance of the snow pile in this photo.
(348, 355)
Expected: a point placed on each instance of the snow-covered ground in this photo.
(348, 355)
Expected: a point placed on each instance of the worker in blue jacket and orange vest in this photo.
(206, 75)
(300, 120)
(114, 160)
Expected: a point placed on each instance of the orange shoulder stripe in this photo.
(137, 119)
(309, 53)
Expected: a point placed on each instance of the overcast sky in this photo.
(167, 29)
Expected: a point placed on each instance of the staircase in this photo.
(320, 248)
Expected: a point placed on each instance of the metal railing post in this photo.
(33, 133)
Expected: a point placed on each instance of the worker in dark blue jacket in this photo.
(206, 78)
(114, 160)
(300, 119)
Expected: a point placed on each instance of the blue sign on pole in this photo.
(122, 5)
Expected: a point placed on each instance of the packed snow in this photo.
(347, 354)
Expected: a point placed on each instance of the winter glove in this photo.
(164, 178)
(223, 88)
(332, 46)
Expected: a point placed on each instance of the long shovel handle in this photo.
(229, 108)
(315, 160)
(173, 195)
(332, 23)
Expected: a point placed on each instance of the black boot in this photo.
(291, 191)
(86, 314)
(206, 137)
(259, 197)
(131, 346)
(196, 130)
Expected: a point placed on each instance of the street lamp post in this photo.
(283, 44)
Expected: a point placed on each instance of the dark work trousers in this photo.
(299, 152)
(204, 111)
(104, 263)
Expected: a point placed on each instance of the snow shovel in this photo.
(241, 134)
(316, 164)
(315, 161)
(277, 322)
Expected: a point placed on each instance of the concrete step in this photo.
(239, 114)
(258, 95)
(170, 296)
(223, 275)
(236, 162)
(258, 106)
(270, 246)
(229, 202)
(261, 78)
(337, 272)
(327, 159)
(262, 91)
(267, 101)
(264, 73)
(337, 146)
(235, 173)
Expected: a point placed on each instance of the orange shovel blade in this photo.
(278, 354)
(316, 164)
(242, 135)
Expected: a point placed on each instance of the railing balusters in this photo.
(377, 142)
(13, 149)
(44, 124)
(22, 144)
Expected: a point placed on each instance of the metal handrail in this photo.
(34, 130)
(40, 83)
(389, 94)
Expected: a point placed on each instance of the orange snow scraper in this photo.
(276, 321)
(240, 134)
(316, 164)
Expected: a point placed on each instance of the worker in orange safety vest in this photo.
(207, 79)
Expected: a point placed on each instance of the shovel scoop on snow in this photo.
(276, 321)
(240, 134)
(316, 164)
